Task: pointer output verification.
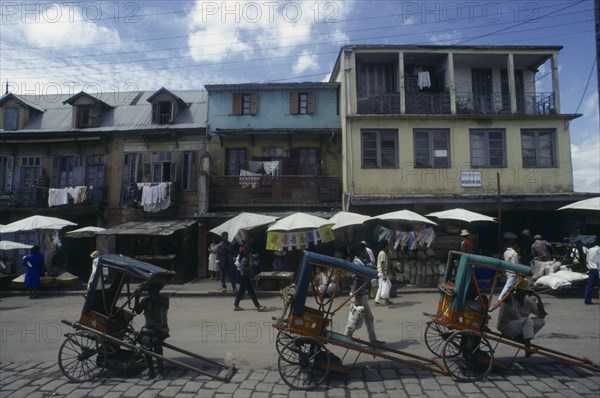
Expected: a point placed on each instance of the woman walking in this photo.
(33, 263)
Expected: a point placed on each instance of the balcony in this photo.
(279, 191)
(37, 197)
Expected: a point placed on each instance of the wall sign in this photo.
(470, 179)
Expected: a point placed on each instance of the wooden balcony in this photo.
(278, 191)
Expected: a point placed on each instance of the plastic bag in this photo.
(386, 286)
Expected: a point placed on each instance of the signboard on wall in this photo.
(470, 179)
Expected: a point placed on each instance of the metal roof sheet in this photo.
(162, 228)
(130, 111)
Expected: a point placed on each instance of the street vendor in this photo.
(541, 249)
(156, 330)
(513, 318)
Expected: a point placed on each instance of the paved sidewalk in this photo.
(35, 380)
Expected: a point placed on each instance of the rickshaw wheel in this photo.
(304, 363)
(282, 339)
(468, 356)
(436, 335)
(82, 356)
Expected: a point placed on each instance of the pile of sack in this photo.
(554, 275)
(419, 268)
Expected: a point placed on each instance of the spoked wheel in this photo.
(304, 363)
(436, 335)
(82, 356)
(282, 339)
(468, 356)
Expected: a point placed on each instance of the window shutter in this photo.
(9, 174)
(54, 172)
(311, 103)
(17, 177)
(237, 104)
(147, 171)
(193, 172)
(173, 177)
(293, 103)
(155, 112)
(172, 115)
(253, 104)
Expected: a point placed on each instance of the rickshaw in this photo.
(458, 332)
(104, 338)
(304, 360)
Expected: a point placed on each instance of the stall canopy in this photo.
(155, 228)
(586, 204)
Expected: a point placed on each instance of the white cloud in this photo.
(305, 62)
(445, 38)
(586, 165)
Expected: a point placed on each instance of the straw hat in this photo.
(95, 254)
(464, 232)
(525, 285)
(526, 232)
(538, 236)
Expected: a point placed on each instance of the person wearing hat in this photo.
(513, 317)
(225, 261)
(156, 329)
(541, 249)
(525, 243)
(245, 283)
(465, 244)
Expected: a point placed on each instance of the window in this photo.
(308, 161)
(11, 118)
(30, 171)
(302, 103)
(431, 148)
(63, 171)
(162, 112)
(94, 170)
(376, 79)
(132, 172)
(235, 161)
(538, 148)
(379, 149)
(88, 116)
(488, 148)
(188, 167)
(245, 104)
(162, 166)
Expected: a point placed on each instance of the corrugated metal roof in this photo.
(130, 111)
(162, 228)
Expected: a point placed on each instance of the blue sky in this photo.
(49, 47)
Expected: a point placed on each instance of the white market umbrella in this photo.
(347, 219)
(461, 215)
(10, 245)
(299, 222)
(35, 223)
(586, 204)
(404, 216)
(85, 232)
(242, 221)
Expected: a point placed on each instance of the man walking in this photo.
(225, 260)
(592, 262)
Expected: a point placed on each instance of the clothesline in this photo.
(60, 196)
(402, 239)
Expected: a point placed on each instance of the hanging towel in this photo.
(423, 80)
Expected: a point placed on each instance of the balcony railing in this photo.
(279, 191)
(381, 104)
(427, 103)
(37, 197)
(497, 104)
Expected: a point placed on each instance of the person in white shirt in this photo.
(592, 262)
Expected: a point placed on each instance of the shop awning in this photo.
(155, 228)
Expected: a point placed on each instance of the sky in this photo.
(123, 46)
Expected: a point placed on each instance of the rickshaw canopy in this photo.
(125, 265)
(464, 273)
(305, 275)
